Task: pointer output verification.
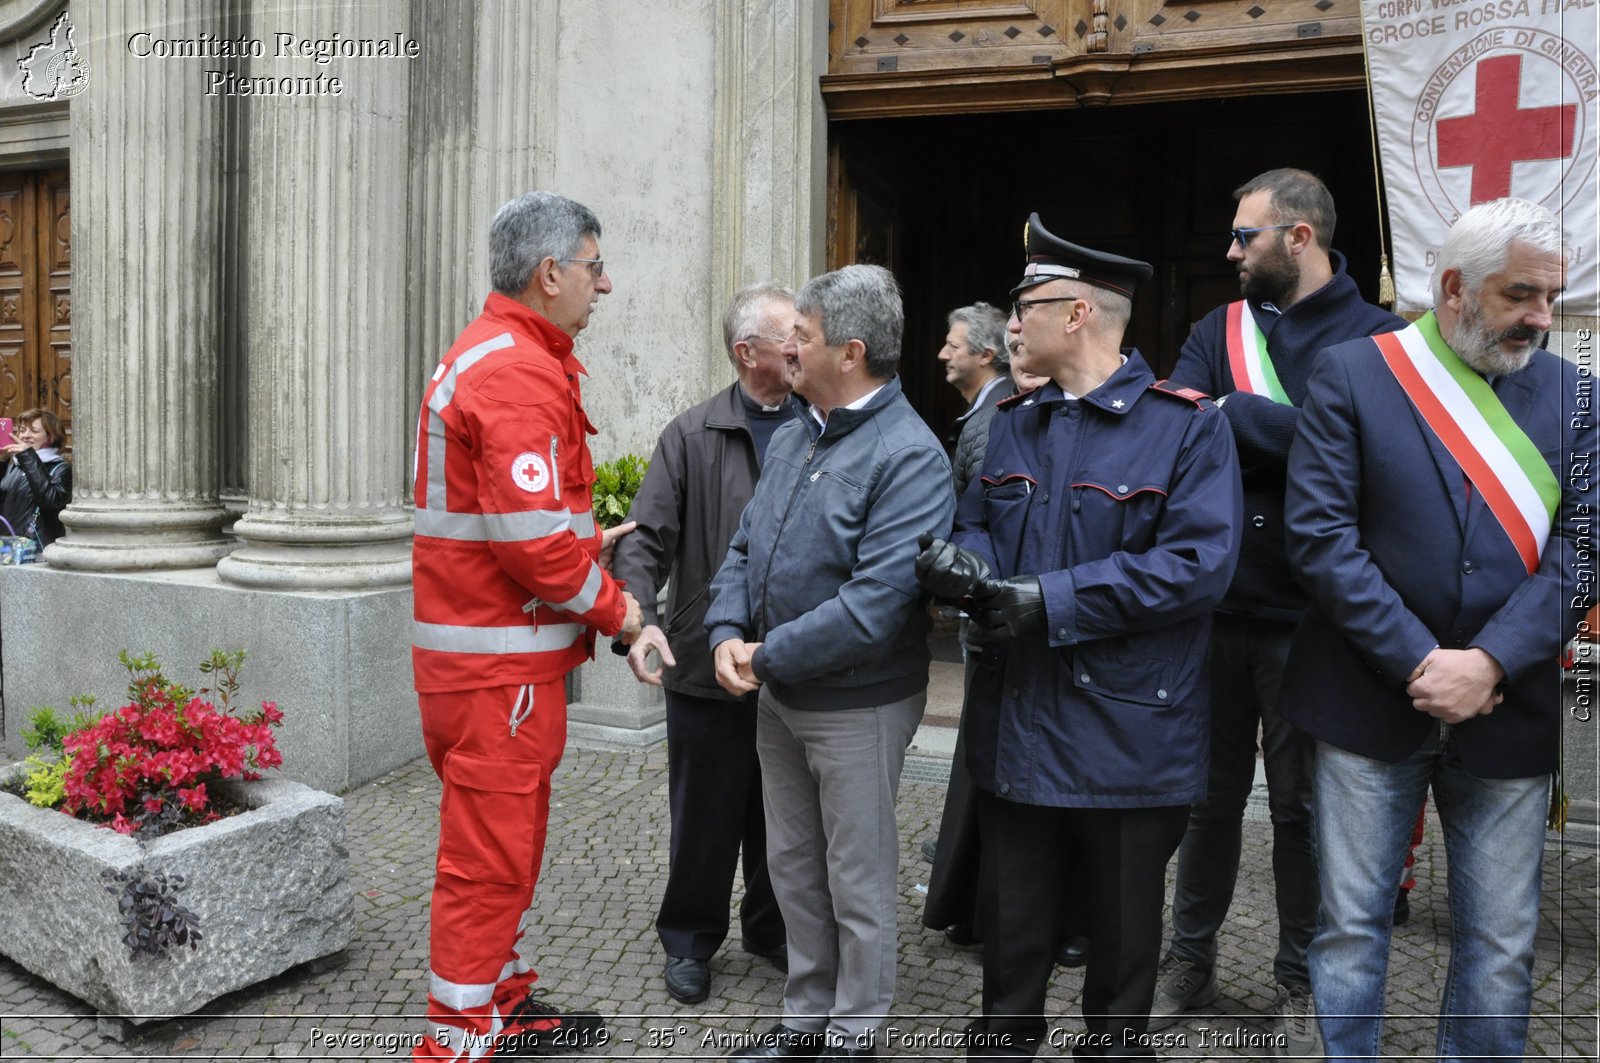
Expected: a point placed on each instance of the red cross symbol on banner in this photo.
(1501, 132)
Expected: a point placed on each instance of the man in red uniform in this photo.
(511, 587)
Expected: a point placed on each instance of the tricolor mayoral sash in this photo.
(1464, 412)
(1248, 358)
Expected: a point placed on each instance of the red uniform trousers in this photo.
(495, 750)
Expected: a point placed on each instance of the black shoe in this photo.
(688, 979)
(780, 1042)
(777, 955)
(534, 1028)
(961, 936)
(848, 1052)
(1074, 952)
(1402, 908)
(930, 849)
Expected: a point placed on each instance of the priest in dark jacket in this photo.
(703, 472)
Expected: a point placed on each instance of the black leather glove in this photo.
(948, 571)
(1006, 608)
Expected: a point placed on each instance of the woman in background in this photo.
(37, 484)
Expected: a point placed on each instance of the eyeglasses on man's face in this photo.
(1244, 236)
(597, 266)
(1019, 307)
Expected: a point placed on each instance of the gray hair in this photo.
(986, 330)
(1480, 240)
(531, 228)
(858, 303)
(1297, 195)
(743, 316)
(1116, 309)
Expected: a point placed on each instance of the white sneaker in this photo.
(1296, 1025)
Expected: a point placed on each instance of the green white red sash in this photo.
(1468, 417)
(1248, 358)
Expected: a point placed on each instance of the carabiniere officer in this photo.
(1103, 529)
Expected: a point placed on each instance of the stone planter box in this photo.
(271, 888)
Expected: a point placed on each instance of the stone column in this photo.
(327, 282)
(771, 147)
(146, 165)
(473, 146)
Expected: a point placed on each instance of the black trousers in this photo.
(714, 788)
(1030, 855)
(953, 882)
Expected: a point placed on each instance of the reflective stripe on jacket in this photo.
(507, 584)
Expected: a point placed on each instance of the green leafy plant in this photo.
(45, 730)
(615, 484)
(45, 785)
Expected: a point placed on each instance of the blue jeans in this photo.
(1494, 844)
(1247, 657)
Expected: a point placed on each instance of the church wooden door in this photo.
(36, 293)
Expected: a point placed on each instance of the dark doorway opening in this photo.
(942, 202)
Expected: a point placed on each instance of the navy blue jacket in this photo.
(821, 568)
(1126, 505)
(1400, 557)
(1263, 429)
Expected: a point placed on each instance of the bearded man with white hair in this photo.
(1432, 519)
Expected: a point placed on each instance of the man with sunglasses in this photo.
(1101, 531)
(1256, 355)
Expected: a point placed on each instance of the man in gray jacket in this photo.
(977, 364)
(817, 606)
(703, 472)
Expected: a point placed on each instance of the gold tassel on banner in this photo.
(1385, 279)
(1558, 803)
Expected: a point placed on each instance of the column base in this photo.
(281, 553)
(109, 536)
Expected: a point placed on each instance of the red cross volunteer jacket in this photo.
(508, 588)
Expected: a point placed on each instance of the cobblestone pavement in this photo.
(592, 938)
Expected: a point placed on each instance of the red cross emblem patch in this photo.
(530, 472)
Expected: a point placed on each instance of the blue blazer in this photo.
(1399, 556)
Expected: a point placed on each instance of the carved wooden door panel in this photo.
(36, 293)
(53, 387)
(18, 309)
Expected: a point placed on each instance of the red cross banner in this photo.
(1479, 99)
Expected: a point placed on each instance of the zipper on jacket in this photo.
(555, 467)
(799, 482)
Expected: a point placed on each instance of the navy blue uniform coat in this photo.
(1398, 557)
(1126, 504)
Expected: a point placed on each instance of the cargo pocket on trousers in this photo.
(489, 818)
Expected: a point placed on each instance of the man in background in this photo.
(1255, 356)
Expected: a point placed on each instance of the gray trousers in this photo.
(833, 851)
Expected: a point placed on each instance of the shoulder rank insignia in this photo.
(1199, 398)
